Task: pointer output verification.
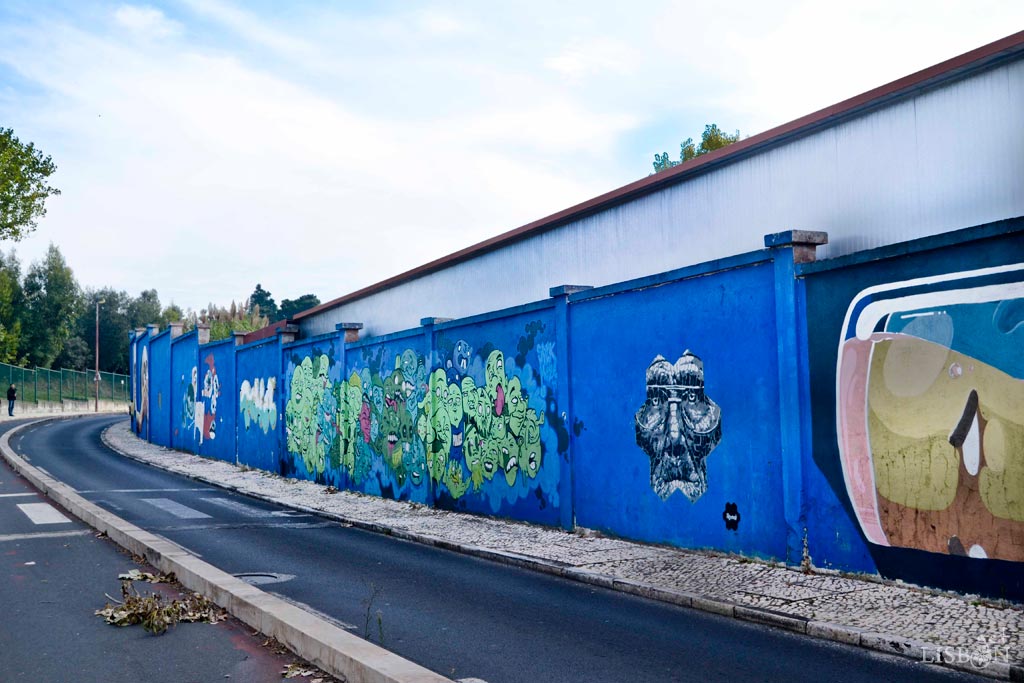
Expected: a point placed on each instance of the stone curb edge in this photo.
(333, 649)
(919, 651)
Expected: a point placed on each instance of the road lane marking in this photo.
(15, 495)
(44, 471)
(176, 509)
(43, 534)
(43, 513)
(238, 506)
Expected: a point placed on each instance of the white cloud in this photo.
(146, 21)
(322, 151)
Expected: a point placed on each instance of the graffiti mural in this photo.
(199, 405)
(257, 403)
(678, 426)
(930, 413)
(188, 413)
(311, 415)
(380, 405)
(479, 427)
(142, 400)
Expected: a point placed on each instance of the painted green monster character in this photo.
(516, 407)
(494, 375)
(305, 424)
(350, 420)
(508, 450)
(529, 445)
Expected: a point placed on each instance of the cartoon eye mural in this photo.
(678, 426)
(930, 412)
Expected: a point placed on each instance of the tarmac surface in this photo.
(964, 632)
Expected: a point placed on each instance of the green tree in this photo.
(713, 138)
(262, 303)
(224, 321)
(53, 302)
(12, 302)
(113, 330)
(24, 173)
(171, 314)
(145, 309)
(289, 307)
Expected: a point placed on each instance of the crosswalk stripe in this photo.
(43, 534)
(176, 509)
(43, 513)
(237, 506)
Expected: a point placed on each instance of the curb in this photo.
(918, 651)
(327, 646)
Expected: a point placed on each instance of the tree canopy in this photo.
(713, 138)
(262, 303)
(24, 173)
(289, 307)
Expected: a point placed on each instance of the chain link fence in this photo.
(40, 384)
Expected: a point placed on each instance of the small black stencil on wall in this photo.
(731, 517)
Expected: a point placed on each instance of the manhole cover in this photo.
(260, 578)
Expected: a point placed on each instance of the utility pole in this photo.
(97, 378)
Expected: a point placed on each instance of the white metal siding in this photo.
(946, 159)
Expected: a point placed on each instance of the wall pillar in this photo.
(788, 249)
(563, 398)
(176, 329)
(351, 331)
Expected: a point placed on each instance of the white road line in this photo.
(43, 513)
(176, 509)
(44, 534)
(15, 495)
(239, 507)
(44, 471)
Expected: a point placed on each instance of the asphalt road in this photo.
(54, 572)
(460, 616)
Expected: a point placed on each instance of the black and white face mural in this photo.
(678, 426)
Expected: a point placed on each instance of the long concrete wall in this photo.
(862, 413)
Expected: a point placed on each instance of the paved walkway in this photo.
(960, 631)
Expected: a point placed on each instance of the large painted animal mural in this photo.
(930, 413)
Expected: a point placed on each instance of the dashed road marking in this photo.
(176, 509)
(251, 510)
(43, 513)
(205, 488)
(43, 534)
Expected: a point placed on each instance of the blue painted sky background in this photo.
(205, 146)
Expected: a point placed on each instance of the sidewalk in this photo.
(958, 631)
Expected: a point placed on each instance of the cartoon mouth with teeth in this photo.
(930, 413)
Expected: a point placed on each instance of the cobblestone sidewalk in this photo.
(959, 631)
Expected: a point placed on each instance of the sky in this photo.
(205, 146)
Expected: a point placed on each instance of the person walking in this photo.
(12, 396)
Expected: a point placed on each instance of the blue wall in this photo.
(696, 408)
(218, 394)
(312, 388)
(727, 320)
(381, 400)
(186, 384)
(954, 343)
(496, 446)
(160, 395)
(259, 421)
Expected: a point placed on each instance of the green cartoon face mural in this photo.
(456, 425)
(311, 414)
(516, 407)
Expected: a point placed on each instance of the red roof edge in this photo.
(264, 332)
(977, 59)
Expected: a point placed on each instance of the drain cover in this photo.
(260, 578)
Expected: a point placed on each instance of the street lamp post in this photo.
(97, 378)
